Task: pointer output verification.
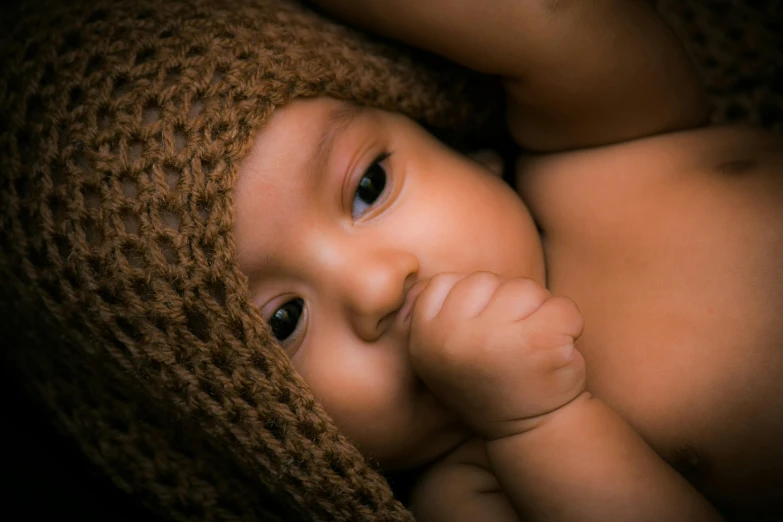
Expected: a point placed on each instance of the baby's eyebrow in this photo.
(338, 120)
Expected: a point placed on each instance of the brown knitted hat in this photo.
(122, 125)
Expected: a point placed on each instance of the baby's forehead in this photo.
(305, 127)
(284, 175)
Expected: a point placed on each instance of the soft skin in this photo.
(298, 234)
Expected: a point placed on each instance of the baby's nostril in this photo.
(386, 322)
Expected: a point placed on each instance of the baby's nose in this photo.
(375, 291)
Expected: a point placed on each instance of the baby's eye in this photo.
(286, 319)
(370, 186)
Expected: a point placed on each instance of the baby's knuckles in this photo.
(525, 374)
(491, 366)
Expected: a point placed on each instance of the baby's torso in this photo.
(672, 247)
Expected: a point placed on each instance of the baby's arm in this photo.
(577, 72)
(501, 353)
(585, 463)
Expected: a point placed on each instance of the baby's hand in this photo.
(500, 352)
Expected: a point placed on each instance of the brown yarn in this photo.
(122, 125)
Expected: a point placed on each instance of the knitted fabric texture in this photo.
(122, 128)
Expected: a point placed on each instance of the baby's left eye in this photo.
(370, 187)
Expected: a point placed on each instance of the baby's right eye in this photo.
(285, 320)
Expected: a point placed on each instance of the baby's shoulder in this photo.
(459, 487)
(717, 157)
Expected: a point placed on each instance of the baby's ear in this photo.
(489, 159)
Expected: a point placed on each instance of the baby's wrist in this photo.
(521, 427)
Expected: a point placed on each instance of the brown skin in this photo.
(411, 338)
(671, 246)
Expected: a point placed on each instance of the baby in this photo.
(420, 298)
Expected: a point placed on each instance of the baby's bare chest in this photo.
(677, 265)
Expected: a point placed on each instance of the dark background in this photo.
(44, 476)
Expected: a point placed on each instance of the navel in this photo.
(689, 462)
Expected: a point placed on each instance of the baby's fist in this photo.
(498, 351)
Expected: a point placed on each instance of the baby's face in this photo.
(340, 210)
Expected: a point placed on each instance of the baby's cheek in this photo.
(498, 227)
(519, 251)
(364, 391)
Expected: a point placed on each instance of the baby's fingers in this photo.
(514, 300)
(442, 334)
(431, 299)
(469, 297)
